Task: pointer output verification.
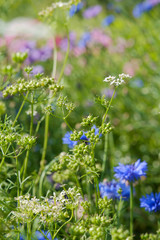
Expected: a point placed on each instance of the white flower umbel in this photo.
(117, 81)
(47, 210)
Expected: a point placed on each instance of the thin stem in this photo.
(28, 231)
(20, 109)
(131, 210)
(68, 124)
(31, 123)
(43, 234)
(54, 59)
(104, 165)
(63, 225)
(28, 150)
(66, 57)
(79, 185)
(120, 204)
(18, 237)
(88, 189)
(42, 163)
(112, 151)
(3, 158)
(105, 115)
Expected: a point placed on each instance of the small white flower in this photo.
(117, 81)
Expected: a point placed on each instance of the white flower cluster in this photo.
(117, 81)
(64, 5)
(47, 210)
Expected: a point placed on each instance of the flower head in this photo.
(108, 20)
(131, 172)
(151, 202)
(111, 190)
(92, 11)
(67, 140)
(117, 81)
(141, 8)
(75, 8)
(85, 39)
(36, 69)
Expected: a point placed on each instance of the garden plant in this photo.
(79, 120)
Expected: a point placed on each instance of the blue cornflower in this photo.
(40, 236)
(85, 39)
(66, 140)
(96, 130)
(110, 190)
(131, 172)
(108, 20)
(75, 8)
(141, 8)
(84, 138)
(151, 202)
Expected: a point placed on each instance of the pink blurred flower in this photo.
(99, 37)
(131, 67)
(77, 51)
(68, 70)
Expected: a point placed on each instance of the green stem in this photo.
(42, 163)
(3, 158)
(112, 151)
(43, 234)
(66, 57)
(28, 231)
(18, 237)
(28, 150)
(109, 105)
(120, 204)
(79, 185)
(97, 192)
(131, 210)
(63, 225)
(67, 124)
(31, 123)
(104, 165)
(54, 59)
(20, 109)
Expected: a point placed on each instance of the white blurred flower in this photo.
(117, 81)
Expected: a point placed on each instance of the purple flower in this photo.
(64, 42)
(99, 37)
(131, 172)
(151, 202)
(66, 140)
(110, 190)
(75, 8)
(108, 20)
(92, 11)
(36, 69)
(108, 92)
(45, 53)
